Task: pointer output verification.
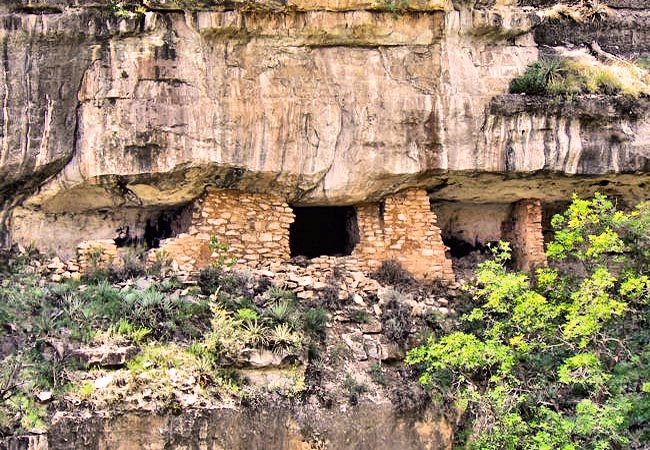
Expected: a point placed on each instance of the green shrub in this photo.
(244, 314)
(126, 9)
(314, 321)
(256, 334)
(209, 279)
(359, 316)
(278, 293)
(566, 78)
(280, 312)
(555, 360)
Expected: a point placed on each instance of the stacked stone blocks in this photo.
(255, 230)
(403, 228)
(251, 229)
(527, 235)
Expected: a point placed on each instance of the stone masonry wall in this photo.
(527, 236)
(254, 227)
(403, 228)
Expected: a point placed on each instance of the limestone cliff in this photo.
(324, 102)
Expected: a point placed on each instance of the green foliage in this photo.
(209, 279)
(278, 293)
(643, 62)
(284, 339)
(125, 9)
(359, 316)
(566, 78)
(220, 253)
(555, 361)
(314, 321)
(280, 312)
(128, 330)
(396, 6)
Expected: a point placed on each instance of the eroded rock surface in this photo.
(111, 122)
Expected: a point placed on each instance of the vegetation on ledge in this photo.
(567, 78)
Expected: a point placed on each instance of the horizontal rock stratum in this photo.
(323, 102)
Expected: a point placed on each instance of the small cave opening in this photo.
(323, 230)
(153, 226)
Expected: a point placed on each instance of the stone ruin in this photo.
(263, 231)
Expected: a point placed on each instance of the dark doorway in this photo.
(319, 230)
(459, 248)
(149, 227)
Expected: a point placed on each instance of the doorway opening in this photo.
(323, 230)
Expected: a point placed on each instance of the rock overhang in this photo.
(324, 103)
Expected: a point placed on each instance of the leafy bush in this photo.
(280, 312)
(557, 360)
(209, 279)
(359, 316)
(126, 9)
(284, 339)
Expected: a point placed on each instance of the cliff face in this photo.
(324, 102)
(266, 427)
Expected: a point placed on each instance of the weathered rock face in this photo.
(270, 428)
(321, 102)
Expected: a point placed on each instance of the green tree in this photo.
(561, 359)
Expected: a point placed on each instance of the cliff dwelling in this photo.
(236, 224)
(318, 231)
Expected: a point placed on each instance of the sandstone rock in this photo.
(104, 382)
(355, 341)
(306, 295)
(319, 285)
(357, 299)
(344, 103)
(263, 358)
(372, 326)
(372, 347)
(44, 396)
(109, 357)
(390, 351)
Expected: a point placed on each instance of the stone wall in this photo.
(527, 236)
(403, 228)
(254, 228)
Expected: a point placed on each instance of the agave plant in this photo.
(255, 333)
(281, 311)
(279, 293)
(284, 339)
